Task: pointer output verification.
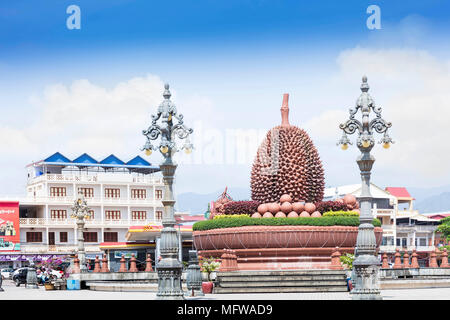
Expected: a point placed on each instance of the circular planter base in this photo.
(279, 247)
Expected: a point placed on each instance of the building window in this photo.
(110, 236)
(138, 193)
(90, 236)
(87, 192)
(158, 194)
(58, 191)
(91, 215)
(112, 193)
(58, 214)
(139, 215)
(112, 215)
(34, 236)
(63, 237)
(158, 215)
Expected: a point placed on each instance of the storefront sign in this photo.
(28, 257)
(9, 226)
(127, 254)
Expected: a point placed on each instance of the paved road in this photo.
(18, 293)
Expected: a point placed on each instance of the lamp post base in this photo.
(366, 286)
(169, 283)
(31, 279)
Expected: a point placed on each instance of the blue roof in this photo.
(137, 164)
(85, 158)
(57, 157)
(112, 159)
(138, 161)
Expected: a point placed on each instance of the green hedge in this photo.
(341, 214)
(300, 221)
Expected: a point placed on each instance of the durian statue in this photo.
(287, 163)
(218, 207)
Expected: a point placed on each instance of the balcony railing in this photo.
(24, 222)
(387, 248)
(391, 248)
(96, 178)
(383, 212)
(96, 201)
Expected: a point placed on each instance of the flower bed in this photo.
(240, 221)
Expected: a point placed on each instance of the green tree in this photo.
(444, 228)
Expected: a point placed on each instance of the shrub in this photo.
(444, 227)
(233, 216)
(347, 260)
(300, 221)
(325, 206)
(241, 207)
(341, 214)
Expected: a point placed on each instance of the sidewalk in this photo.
(21, 293)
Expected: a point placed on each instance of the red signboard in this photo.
(9, 226)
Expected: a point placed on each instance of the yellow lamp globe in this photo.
(366, 143)
(148, 152)
(164, 149)
(344, 146)
(188, 150)
(386, 145)
(170, 117)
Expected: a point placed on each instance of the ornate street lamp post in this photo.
(194, 275)
(169, 268)
(80, 211)
(32, 280)
(366, 264)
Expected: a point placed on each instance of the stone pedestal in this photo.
(133, 267)
(444, 262)
(148, 264)
(406, 260)
(104, 264)
(97, 264)
(123, 264)
(76, 265)
(433, 259)
(414, 261)
(366, 266)
(385, 264)
(31, 278)
(335, 260)
(398, 260)
(194, 276)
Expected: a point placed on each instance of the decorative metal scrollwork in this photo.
(168, 131)
(365, 129)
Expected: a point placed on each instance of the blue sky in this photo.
(232, 58)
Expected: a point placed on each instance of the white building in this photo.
(403, 228)
(119, 194)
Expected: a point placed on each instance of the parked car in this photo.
(20, 276)
(6, 273)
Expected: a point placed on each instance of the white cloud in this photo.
(412, 86)
(85, 117)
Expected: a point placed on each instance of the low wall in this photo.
(114, 276)
(416, 273)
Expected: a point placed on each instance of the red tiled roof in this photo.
(399, 192)
(439, 216)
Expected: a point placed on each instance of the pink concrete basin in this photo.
(253, 237)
